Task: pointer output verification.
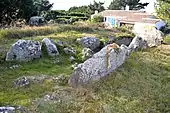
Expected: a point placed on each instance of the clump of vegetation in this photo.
(125, 35)
(166, 39)
(26, 32)
(97, 18)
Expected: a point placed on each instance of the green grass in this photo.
(140, 85)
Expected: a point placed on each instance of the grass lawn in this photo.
(140, 85)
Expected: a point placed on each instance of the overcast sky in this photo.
(66, 4)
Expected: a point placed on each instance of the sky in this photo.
(66, 4)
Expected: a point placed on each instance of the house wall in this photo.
(111, 21)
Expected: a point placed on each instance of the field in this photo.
(140, 85)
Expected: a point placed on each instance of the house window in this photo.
(105, 19)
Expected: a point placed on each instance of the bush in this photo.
(62, 20)
(75, 19)
(166, 29)
(167, 39)
(98, 18)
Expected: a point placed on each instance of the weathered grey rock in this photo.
(70, 51)
(137, 43)
(87, 53)
(36, 21)
(21, 82)
(100, 65)
(50, 47)
(7, 110)
(125, 41)
(24, 50)
(150, 34)
(89, 42)
(61, 80)
(14, 66)
(27, 80)
(72, 59)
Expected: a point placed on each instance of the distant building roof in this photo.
(130, 16)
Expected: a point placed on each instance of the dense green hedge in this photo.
(98, 18)
(77, 14)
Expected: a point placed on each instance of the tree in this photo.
(97, 7)
(11, 10)
(163, 10)
(121, 4)
(81, 9)
(115, 5)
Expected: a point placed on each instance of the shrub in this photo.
(66, 17)
(62, 20)
(98, 18)
(78, 14)
(166, 29)
(75, 19)
(167, 39)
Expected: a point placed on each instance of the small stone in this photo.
(87, 53)
(27, 80)
(61, 79)
(74, 66)
(72, 59)
(7, 110)
(70, 51)
(21, 82)
(14, 66)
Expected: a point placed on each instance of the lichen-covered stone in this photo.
(24, 50)
(138, 43)
(50, 47)
(70, 51)
(149, 33)
(89, 42)
(96, 67)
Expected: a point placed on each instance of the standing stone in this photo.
(100, 65)
(50, 47)
(89, 42)
(138, 43)
(24, 50)
(149, 33)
